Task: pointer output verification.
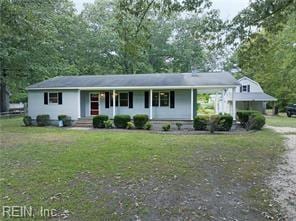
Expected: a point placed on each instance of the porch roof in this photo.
(138, 81)
(258, 96)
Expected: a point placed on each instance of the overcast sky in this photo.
(228, 8)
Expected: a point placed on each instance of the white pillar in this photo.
(114, 103)
(150, 105)
(216, 103)
(79, 105)
(191, 105)
(223, 101)
(233, 105)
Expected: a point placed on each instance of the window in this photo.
(123, 99)
(164, 99)
(155, 99)
(53, 98)
(245, 88)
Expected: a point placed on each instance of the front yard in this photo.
(111, 175)
(281, 121)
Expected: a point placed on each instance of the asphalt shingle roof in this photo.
(139, 80)
(253, 96)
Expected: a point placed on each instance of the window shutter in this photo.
(116, 100)
(146, 99)
(172, 99)
(130, 99)
(241, 89)
(248, 88)
(60, 98)
(107, 99)
(45, 97)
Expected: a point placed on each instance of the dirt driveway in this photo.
(283, 181)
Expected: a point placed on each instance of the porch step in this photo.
(84, 122)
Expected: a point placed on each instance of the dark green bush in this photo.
(66, 120)
(43, 120)
(243, 116)
(256, 121)
(225, 122)
(98, 121)
(201, 122)
(140, 120)
(27, 121)
(166, 127)
(120, 121)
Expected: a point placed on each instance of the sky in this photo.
(228, 8)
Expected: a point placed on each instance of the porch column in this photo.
(114, 103)
(79, 105)
(233, 105)
(223, 101)
(150, 105)
(216, 103)
(191, 105)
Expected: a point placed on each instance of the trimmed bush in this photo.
(256, 121)
(148, 126)
(43, 120)
(201, 122)
(108, 124)
(225, 122)
(140, 120)
(166, 127)
(120, 121)
(27, 121)
(243, 116)
(213, 123)
(98, 121)
(66, 120)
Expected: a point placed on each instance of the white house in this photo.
(161, 96)
(249, 95)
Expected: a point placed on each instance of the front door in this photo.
(94, 103)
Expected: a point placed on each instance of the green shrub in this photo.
(201, 122)
(256, 121)
(108, 124)
(98, 121)
(140, 120)
(148, 126)
(66, 120)
(43, 120)
(213, 123)
(166, 127)
(179, 125)
(120, 121)
(130, 125)
(225, 122)
(27, 121)
(243, 116)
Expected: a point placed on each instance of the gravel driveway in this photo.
(283, 181)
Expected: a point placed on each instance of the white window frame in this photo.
(158, 93)
(48, 98)
(119, 99)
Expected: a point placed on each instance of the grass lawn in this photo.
(281, 121)
(138, 175)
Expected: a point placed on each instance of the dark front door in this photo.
(94, 103)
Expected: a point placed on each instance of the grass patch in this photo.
(281, 121)
(122, 175)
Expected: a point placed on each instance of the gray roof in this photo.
(210, 79)
(255, 96)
